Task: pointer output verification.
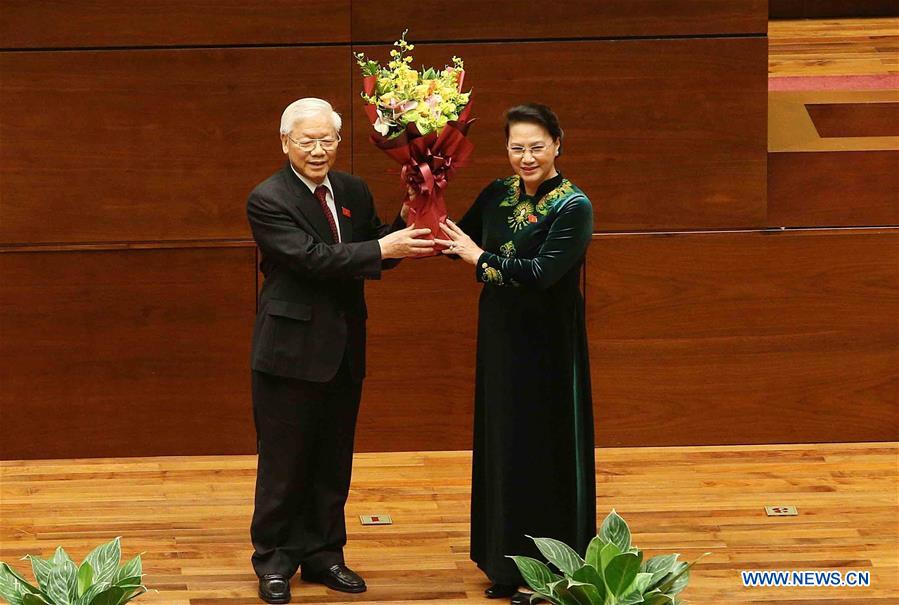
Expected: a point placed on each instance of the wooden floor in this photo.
(840, 47)
(190, 517)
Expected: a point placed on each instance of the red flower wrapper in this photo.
(428, 162)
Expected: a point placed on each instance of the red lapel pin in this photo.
(346, 212)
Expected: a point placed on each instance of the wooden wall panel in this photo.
(786, 9)
(836, 120)
(736, 338)
(833, 188)
(126, 353)
(662, 134)
(419, 392)
(474, 19)
(134, 342)
(828, 9)
(95, 23)
(102, 146)
(832, 158)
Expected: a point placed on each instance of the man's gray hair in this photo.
(304, 108)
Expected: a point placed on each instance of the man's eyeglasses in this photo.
(535, 151)
(327, 143)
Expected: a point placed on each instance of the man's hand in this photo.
(405, 242)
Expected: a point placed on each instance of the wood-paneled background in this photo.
(131, 134)
(829, 9)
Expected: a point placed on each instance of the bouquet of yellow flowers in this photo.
(421, 120)
(397, 96)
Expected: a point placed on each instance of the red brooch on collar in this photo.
(346, 212)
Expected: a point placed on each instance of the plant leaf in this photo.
(559, 554)
(640, 583)
(41, 570)
(668, 581)
(550, 594)
(564, 594)
(111, 596)
(25, 585)
(657, 598)
(592, 554)
(127, 583)
(537, 596)
(33, 599)
(679, 583)
(92, 592)
(608, 552)
(659, 566)
(630, 599)
(62, 584)
(590, 575)
(677, 580)
(59, 557)
(85, 578)
(536, 574)
(615, 530)
(586, 594)
(553, 586)
(131, 592)
(105, 560)
(11, 587)
(620, 572)
(131, 569)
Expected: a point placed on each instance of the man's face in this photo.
(314, 164)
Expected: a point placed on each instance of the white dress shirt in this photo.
(329, 197)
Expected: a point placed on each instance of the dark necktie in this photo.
(321, 193)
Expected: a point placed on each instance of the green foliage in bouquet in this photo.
(97, 581)
(612, 572)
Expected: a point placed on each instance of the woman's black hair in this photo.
(535, 113)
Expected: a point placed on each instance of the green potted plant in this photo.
(612, 571)
(97, 581)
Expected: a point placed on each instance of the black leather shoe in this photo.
(337, 577)
(524, 598)
(274, 588)
(501, 591)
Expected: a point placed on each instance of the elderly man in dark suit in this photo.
(319, 237)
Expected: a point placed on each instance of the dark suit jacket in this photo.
(312, 307)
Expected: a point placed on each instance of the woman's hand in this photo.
(459, 243)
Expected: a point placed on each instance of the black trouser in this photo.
(305, 434)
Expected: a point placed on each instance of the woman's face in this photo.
(532, 153)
